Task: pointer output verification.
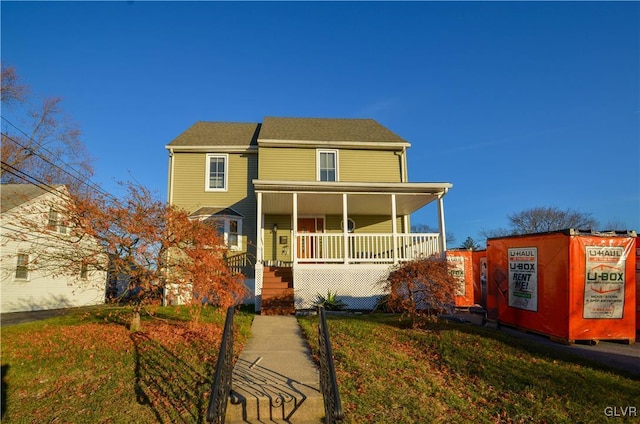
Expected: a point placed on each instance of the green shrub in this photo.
(330, 302)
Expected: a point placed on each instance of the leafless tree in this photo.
(40, 143)
(543, 219)
(426, 228)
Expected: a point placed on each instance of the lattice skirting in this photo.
(359, 286)
(258, 288)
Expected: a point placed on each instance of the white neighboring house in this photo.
(26, 283)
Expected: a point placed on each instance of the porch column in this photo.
(259, 249)
(443, 233)
(394, 228)
(345, 228)
(294, 225)
(259, 229)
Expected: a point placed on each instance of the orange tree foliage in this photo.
(159, 247)
(421, 288)
(144, 244)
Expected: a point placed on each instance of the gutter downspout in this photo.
(170, 201)
(406, 219)
(170, 187)
(443, 232)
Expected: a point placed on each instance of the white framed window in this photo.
(229, 228)
(233, 233)
(327, 165)
(55, 222)
(22, 266)
(217, 172)
(84, 271)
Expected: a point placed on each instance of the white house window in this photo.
(55, 222)
(217, 172)
(233, 233)
(84, 271)
(22, 267)
(327, 165)
(230, 229)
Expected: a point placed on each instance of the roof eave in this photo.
(379, 145)
(208, 149)
(353, 187)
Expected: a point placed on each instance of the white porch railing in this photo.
(364, 248)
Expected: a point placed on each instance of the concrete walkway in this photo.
(275, 379)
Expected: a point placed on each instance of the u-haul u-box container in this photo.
(461, 266)
(480, 277)
(569, 285)
(637, 285)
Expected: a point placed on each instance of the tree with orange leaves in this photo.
(421, 289)
(152, 247)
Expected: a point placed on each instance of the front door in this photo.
(306, 248)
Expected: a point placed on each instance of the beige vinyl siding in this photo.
(189, 180)
(364, 224)
(283, 250)
(369, 166)
(287, 164)
(189, 188)
(300, 164)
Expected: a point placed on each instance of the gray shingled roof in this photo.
(12, 195)
(325, 129)
(213, 210)
(218, 134)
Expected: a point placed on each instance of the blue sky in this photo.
(517, 104)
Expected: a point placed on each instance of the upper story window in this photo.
(55, 222)
(217, 172)
(327, 165)
(22, 267)
(84, 271)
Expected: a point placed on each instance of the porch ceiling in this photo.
(362, 199)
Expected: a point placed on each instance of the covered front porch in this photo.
(341, 237)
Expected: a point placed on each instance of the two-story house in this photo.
(316, 205)
(32, 243)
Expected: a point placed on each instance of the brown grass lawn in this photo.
(86, 367)
(89, 368)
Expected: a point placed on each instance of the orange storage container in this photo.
(461, 264)
(480, 278)
(637, 285)
(569, 285)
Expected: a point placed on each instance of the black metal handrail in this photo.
(328, 383)
(221, 387)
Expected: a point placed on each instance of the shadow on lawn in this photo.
(172, 388)
(592, 356)
(3, 395)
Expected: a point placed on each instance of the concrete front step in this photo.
(275, 379)
(260, 395)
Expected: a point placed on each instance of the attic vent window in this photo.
(55, 222)
(327, 165)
